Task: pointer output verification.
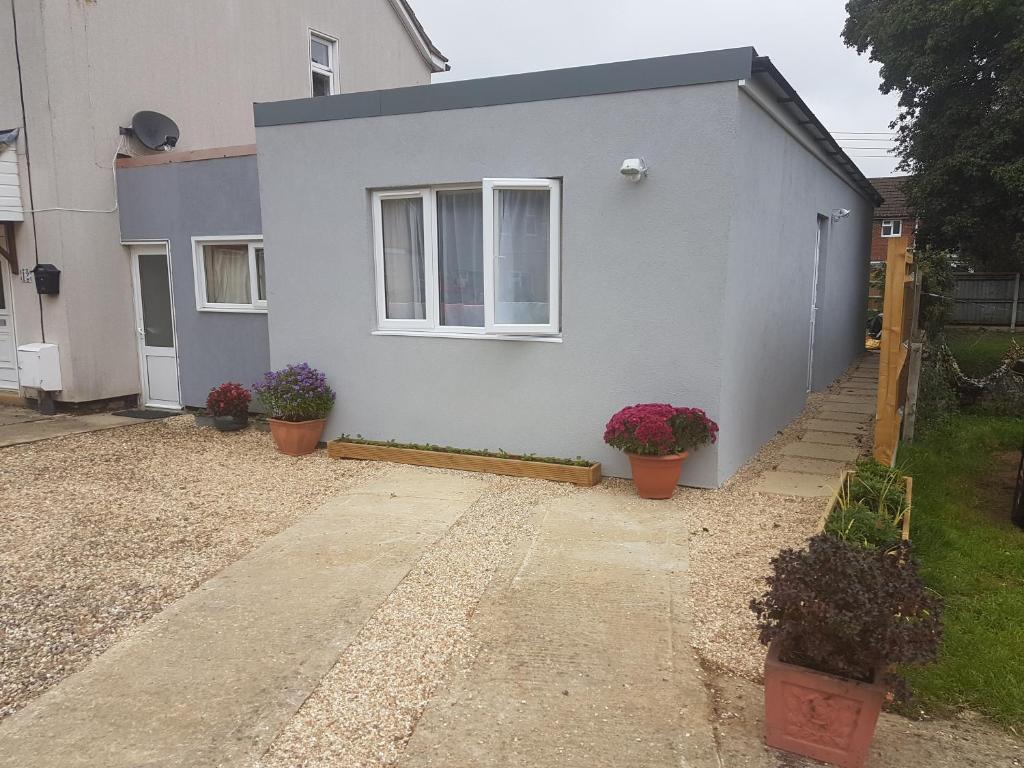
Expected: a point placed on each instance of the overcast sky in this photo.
(802, 37)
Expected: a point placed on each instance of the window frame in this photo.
(253, 242)
(331, 71)
(490, 189)
(430, 325)
(895, 227)
(429, 321)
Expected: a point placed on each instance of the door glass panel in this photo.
(154, 288)
(521, 271)
(3, 301)
(261, 276)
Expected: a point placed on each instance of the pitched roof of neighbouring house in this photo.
(438, 61)
(895, 204)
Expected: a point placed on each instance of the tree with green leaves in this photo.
(958, 67)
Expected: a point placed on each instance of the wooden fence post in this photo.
(901, 288)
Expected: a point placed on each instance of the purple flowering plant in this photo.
(659, 429)
(297, 392)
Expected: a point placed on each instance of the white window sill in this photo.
(890, 236)
(456, 335)
(236, 310)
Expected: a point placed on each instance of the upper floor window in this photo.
(230, 274)
(469, 260)
(892, 227)
(323, 64)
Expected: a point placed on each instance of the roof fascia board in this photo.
(434, 59)
(597, 79)
(757, 94)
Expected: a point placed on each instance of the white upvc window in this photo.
(230, 274)
(323, 64)
(892, 227)
(469, 260)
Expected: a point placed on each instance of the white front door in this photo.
(154, 322)
(8, 344)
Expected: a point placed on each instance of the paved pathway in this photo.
(833, 438)
(210, 680)
(586, 659)
(21, 425)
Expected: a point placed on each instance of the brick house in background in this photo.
(892, 218)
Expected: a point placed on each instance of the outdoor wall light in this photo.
(839, 213)
(634, 169)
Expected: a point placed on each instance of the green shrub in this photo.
(862, 526)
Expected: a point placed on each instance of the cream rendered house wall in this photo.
(87, 66)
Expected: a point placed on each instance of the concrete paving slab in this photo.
(210, 680)
(29, 430)
(17, 415)
(797, 484)
(826, 425)
(850, 397)
(834, 405)
(811, 466)
(821, 451)
(585, 657)
(831, 438)
(830, 413)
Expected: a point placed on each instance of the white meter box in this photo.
(39, 366)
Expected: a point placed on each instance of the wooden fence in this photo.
(988, 298)
(900, 357)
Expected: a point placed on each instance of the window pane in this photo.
(321, 84)
(404, 279)
(320, 52)
(460, 255)
(523, 256)
(227, 274)
(155, 291)
(261, 276)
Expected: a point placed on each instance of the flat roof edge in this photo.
(592, 80)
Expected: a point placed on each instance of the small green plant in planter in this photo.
(835, 618)
(228, 406)
(298, 400)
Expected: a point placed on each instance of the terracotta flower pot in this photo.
(817, 715)
(656, 477)
(296, 438)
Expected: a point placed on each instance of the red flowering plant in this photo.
(229, 399)
(659, 429)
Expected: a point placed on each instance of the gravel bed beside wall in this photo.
(100, 531)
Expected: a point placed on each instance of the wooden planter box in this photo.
(844, 480)
(564, 473)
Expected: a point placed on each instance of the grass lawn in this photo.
(974, 557)
(980, 352)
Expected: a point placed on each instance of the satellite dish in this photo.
(155, 130)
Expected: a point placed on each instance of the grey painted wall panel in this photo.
(781, 190)
(642, 278)
(176, 202)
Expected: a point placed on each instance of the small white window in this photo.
(892, 227)
(230, 274)
(480, 260)
(323, 64)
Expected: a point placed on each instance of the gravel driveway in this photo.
(100, 531)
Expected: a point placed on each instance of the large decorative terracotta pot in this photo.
(296, 438)
(656, 477)
(818, 715)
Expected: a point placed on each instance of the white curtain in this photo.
(227, 274)
(404, 280)
(460, 257)
(521, 269)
